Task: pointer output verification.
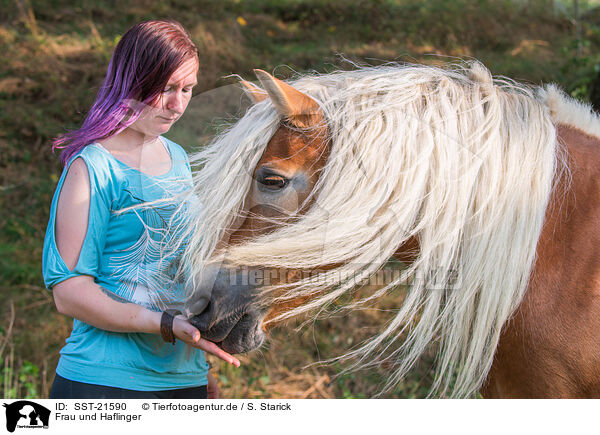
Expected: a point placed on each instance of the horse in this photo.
(484, 189)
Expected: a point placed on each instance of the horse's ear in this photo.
(298, 108)
(255, 93)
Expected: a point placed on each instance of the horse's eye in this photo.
(273, 182)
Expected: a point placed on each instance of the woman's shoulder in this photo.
(92, 154)
(97, 160)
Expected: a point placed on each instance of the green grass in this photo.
(55, 53)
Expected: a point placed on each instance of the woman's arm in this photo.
(82, 298)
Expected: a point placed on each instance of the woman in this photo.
(104, 253)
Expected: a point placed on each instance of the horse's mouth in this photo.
(233, 335)
(232, 316)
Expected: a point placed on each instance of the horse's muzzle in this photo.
(232, 317)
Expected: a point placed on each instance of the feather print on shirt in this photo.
(147, 271)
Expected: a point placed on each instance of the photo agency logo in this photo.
(25, 414)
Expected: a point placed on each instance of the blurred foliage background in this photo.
(53, 56)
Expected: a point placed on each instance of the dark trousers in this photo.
(66, 389)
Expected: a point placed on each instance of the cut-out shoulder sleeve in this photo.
(54, 267)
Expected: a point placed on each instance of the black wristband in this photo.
(166, 325)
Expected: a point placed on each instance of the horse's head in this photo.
(438, 167)
(280, 192)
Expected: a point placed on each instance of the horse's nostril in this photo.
(196, 304)
(203, 320)
(207, 309)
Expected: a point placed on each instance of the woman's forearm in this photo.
(82, 298)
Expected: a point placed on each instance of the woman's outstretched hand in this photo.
(189, 334)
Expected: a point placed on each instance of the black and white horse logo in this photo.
(24, 413)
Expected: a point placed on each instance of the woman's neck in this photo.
(128, 140)
(142, 152)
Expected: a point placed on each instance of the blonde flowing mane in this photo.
(452, 158)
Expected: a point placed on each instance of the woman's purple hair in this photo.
(141, 65)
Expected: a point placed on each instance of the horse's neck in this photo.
(549, 348)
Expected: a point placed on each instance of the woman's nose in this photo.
(175, 102)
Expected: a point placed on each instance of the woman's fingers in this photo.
(193, 333)
(188, 333)
(210, 347)
(182, 326)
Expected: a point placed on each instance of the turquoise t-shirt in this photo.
(132, 252)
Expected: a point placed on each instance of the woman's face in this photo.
(158, 118)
